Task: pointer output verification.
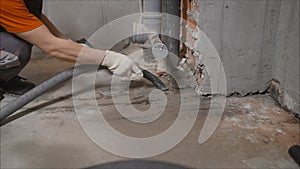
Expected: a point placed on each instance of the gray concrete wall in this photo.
(258, 41)
(243, 33)
(81, 18)
(286, 59)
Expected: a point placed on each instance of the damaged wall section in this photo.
(242, 32)
(258, 41)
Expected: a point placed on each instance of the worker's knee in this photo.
(19, 52)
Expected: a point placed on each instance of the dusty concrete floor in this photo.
(254, 131)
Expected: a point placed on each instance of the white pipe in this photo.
(149, 27)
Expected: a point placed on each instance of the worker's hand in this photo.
(121, 65)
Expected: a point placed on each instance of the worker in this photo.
(22, 25)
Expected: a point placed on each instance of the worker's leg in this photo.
(15, 54)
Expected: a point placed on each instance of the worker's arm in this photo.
(61, 48)
(16, 18)
(52, 28)
(68, 50)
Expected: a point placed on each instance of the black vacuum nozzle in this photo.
(294, 152)
(154, 80)
(146, 74)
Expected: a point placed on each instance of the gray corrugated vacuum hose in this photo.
(12, 107)
(43, 88)
(23, 100)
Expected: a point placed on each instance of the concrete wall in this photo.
(79, 19)
(258, 41)
(243, 33)
(286, 58)
(82, 18)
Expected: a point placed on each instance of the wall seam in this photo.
(221, 33)
(261, 61)
(275, 39)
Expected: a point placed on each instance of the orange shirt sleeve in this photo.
(16, 18)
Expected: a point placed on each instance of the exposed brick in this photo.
(189, 15)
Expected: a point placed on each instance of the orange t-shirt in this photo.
(16, 18)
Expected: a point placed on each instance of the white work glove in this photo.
(122, 66)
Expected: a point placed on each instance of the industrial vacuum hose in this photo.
(42, 88)
(23, 100)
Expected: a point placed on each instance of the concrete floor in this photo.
(254, 132)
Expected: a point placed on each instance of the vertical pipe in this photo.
(151, 21)
(152, 6)
(151, 14)
(171, 28)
